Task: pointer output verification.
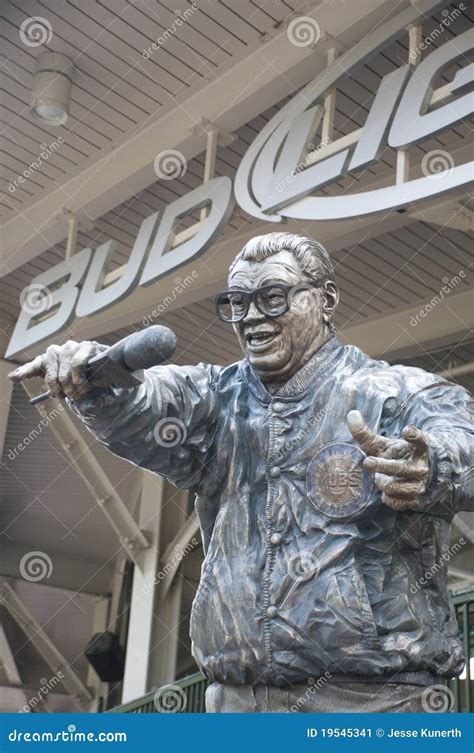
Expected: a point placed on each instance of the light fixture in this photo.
(52, 88)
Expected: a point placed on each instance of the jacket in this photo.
(306, 571)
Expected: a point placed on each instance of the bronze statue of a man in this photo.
(326, 482)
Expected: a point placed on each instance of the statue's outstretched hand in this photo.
(63, 368)
(401, 466)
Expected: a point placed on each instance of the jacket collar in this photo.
(299, 382)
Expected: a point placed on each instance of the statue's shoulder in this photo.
(395, 380)
(221, 377)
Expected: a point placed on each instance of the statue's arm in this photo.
(444, 412)
(167, 424)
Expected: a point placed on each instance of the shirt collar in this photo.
(299, 382)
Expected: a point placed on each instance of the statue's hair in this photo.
(312, 257)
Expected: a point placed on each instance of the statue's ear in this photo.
(331, 299)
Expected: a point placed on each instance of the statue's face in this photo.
(278, 346)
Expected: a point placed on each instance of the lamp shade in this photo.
(52, 88)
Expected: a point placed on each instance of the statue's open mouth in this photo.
(260, 340)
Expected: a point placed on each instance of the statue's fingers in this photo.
(397, 488)
(401, 468)
(35, 368)
(51, 371)
(395, 503)
(416, 438)
(370, 442)
(79, 361)
(66, 355)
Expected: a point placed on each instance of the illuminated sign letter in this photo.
(93, 296)
(217, 193)
(39, 292)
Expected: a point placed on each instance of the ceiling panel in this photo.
(120, 82)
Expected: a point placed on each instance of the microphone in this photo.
(119, 363)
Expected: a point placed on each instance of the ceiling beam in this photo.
(394, 333)
(9, 674)
(238, 93)
(183, 543)
(69, 573)
(45, 646)
(463, 523)
(103, 491)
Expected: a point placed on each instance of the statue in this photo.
(326, 482)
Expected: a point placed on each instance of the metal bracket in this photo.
(84, 222)
(74, 221)
(204, 126)
(214, 138)
(326, 43)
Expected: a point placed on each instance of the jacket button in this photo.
(275, 472)
(275, 538)
(277, 407)
(272, 612)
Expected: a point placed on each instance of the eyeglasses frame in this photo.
(251, 297)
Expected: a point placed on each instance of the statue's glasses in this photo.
(272, 300)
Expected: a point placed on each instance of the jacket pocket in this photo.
(353, 606)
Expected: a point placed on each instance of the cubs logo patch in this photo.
(336, 482)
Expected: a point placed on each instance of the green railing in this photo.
(188, 699)
(463, 690)
(193, 687)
